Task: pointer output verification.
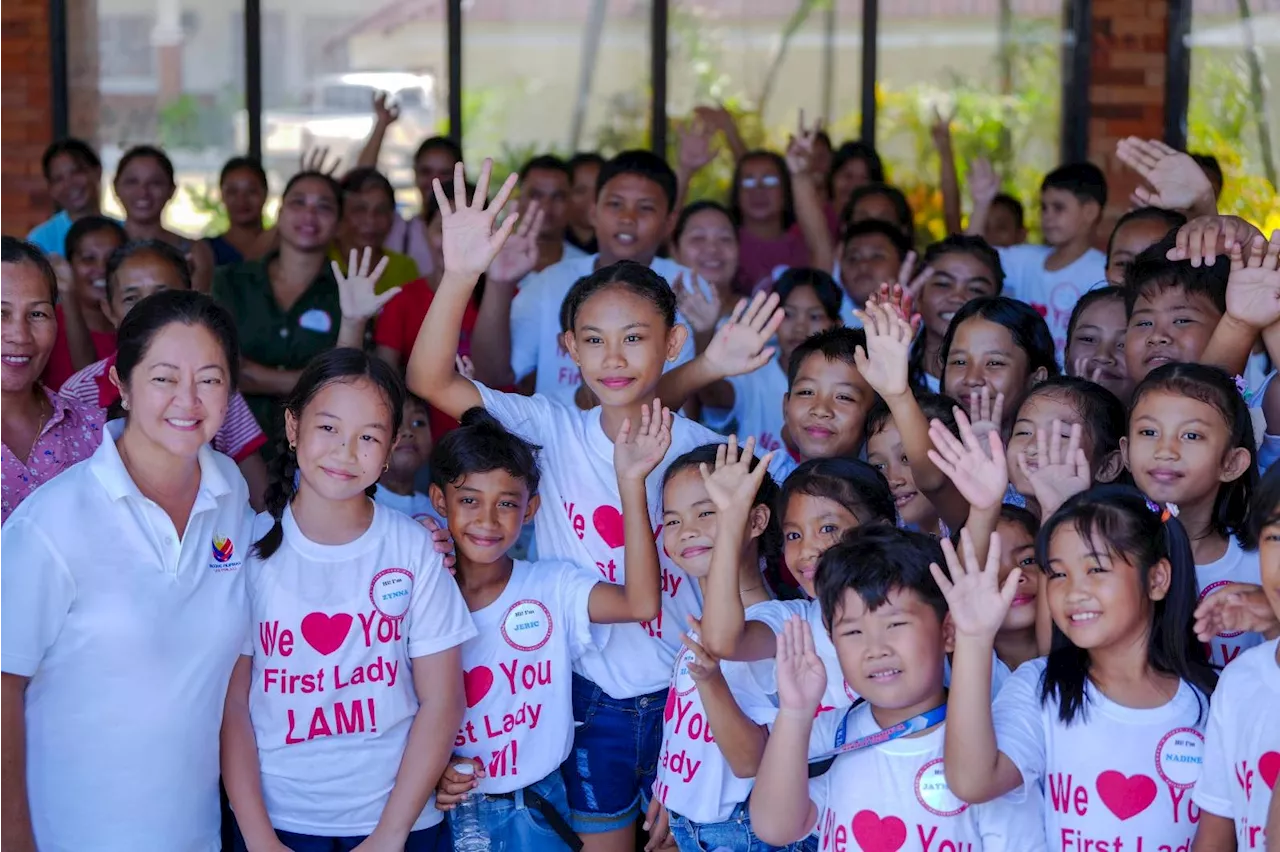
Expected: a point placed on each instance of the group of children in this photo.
(985, 563)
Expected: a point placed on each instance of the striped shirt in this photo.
(239, 437)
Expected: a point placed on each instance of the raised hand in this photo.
(1177, 181)
(699, 305)
(519, 254)
(356, 294)
(637, 452)
(704, 666)
(1060, 472)
(1080, 368)
(940, 128)
(980, 473)
(1253, 290)
(912, 282)
(802, 678)
(1234, 608)
(800, 147)
(987, 414)
(984, 183)
(385, 112)
(313, 160)
(741, 345)
(465, 367)
(885, 363)
(470, 241)
(695, 151)
(733, 485)
(1205, 237)
(976, 600)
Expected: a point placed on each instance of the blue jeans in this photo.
(433, 839)
(734, 834)
(616, 745)
(513, 825)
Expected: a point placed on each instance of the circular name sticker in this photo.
(1210, 589)
(932, 791)
(527, 625)
(683, 680)
(1179, 756)
(390, 592)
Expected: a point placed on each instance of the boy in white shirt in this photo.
(1052, 277)
(633, 215)
(534, 620)
(886, 788)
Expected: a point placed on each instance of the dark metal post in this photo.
(455, 70)
(59, 91)
(658, 21)
(1177, 81)
(1077, 53)
(870, 35)
(253, 74)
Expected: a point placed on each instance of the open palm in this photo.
(1061, 468)
(1177, 181)
(741, 345)
(802, 678)
(980, 474)
(975, 599)
(470, 241)
(519, 254)
(357, 296)
(885, 362)
(733, 484)
(637, 451)
(1253, 290)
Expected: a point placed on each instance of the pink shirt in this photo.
(71, 435)
(757, 258)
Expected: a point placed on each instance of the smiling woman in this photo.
(142, 608)
(44, 433)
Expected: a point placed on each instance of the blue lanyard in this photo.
(914, 725)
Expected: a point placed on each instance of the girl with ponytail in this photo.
(347, 737)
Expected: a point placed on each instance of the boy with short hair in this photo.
(412, 449)
(633, 215)
(1006, 223)
(548, 180)
(584, 177)
(892, 632)
(1052, 277)
(870, 253)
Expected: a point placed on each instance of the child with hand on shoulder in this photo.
(888, 782)
(339, 713)
(533, 619)
(719, 714)
(1190, 445)
(1242, 745)
(1109, 726)
(621, 330)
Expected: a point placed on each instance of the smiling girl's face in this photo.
(810, 526)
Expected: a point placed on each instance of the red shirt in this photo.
(60, 368)
(397, 328)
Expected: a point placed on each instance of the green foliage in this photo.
(178, 123)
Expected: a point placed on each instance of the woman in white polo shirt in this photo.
(123, 608)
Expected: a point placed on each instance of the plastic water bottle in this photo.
(468, 834)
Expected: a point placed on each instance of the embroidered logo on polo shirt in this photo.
(224, 552)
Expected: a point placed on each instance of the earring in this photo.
(386, 467)
(124, 403)
(293, 447)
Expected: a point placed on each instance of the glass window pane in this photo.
(554, 77)
(998, 65)
(765, 60)
(1234, 103)
(166, 72)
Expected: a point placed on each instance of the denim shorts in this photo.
(616, 745)
(734, 834)
(433, 839)
(511, 824)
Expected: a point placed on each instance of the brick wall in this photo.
(1126, 87)
(26, 120)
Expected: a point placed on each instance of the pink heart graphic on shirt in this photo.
(326, 633)
(477, 683)
(877, 834)
(608, 523)
(669, 711)
(1126, 797)
(1269, 767)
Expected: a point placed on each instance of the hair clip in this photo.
(1152, 505)
(1242, 387)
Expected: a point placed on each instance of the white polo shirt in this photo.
(128, 634)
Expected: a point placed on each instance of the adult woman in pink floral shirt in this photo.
(44, 433)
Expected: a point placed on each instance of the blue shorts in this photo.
(518, 820)
(616, 745)
(433, 839)
(734, 834)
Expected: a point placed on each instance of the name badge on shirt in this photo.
(316, 320)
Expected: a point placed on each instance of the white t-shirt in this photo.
(757, 406)
(694, 779)
(335, 630)
(580, 522)
(535, 325)
(1242, 748)
(895, 796)
(1116, 776)
(128, 634)
(416, 505)
(1237, 565)
(518, 674)
(1053, 293)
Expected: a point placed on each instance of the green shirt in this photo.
(275, 337)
